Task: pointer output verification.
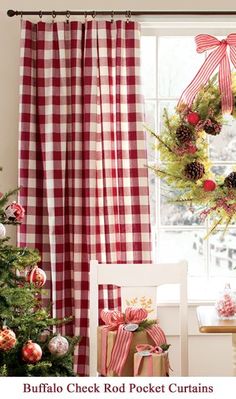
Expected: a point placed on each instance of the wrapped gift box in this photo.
(140, 337)
(159, 366)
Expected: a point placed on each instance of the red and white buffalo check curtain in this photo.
(82, 158)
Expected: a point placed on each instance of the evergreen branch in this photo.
(146, 324)
(213, 228)
(167, 120)
(157, 137)
(227, 224)
(4, 199)
(155, 170)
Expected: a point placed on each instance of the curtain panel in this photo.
(82, 159)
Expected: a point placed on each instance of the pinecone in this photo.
(212, 127)
(184, 134)
(230, 180)
(194, 171)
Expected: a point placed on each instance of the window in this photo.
(169, 63)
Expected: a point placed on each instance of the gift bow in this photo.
(217, 57)
(152, 350)
(116, 320)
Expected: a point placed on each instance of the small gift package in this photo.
(226, 304)
(119, 337)
(150, 361)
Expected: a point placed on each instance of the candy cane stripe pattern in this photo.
(120, 350)
(217, 57)
(135, 315)
(157, 334)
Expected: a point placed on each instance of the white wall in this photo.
(215, 349)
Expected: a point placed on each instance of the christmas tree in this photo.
(28, 345)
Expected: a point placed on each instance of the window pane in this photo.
(170, 107)
(222, 170)
(223, 253)
(152, 197)
(148, 65)
(150, 121)
(178, 63)
(177, 245)
(217, 148)
(172, 214)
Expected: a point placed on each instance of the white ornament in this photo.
(2, 231)
(58, 346)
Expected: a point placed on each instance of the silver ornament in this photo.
(58, 346)
(2, 231)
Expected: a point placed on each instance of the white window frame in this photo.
(200, 288)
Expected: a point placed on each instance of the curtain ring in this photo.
(112, 16)
(128, 16)
(53, 15)
(94, 14)
(85, 16)
(40, 14)
(67, 16)
(21, 15)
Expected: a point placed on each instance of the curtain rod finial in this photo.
(11, 13)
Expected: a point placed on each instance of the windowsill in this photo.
(200, 291)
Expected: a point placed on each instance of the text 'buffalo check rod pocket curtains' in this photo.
(82, 159)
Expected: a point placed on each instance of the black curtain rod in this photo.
(68, 13)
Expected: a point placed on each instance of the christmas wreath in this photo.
(183, 145)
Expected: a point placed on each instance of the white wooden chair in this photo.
(129, 276)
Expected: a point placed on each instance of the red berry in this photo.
(193, 118)
(209, 185)
(192, 149)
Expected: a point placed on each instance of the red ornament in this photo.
(209, 185)
(7, 339)
(36, 276)
(15, 212)
(193, 118)
(31, 352)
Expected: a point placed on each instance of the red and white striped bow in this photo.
(217, 57)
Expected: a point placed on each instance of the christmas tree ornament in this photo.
(230, 180)
(184, 134)
(31, 352)
(209, 185)
(212, 127)
(36, 276)
(7, 339)
(226, 304)
(15, 212)
(2, 231)
(58, 346)
(194, 170)
(193, 118)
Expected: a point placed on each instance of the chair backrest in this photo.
(138, 275)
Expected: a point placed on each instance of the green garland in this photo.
(185, 165)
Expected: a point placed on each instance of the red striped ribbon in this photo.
(217, 57)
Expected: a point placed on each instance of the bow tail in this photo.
(120, 350)
(225, 86)
(203, 75)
